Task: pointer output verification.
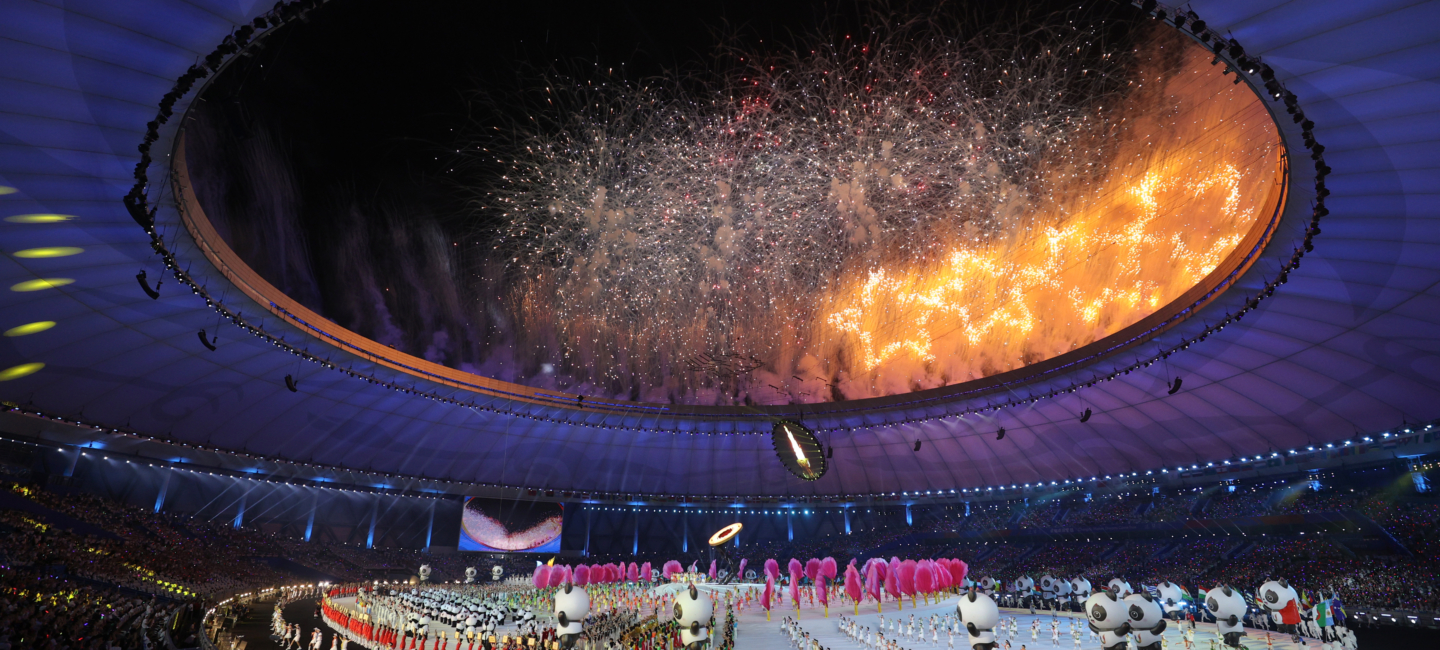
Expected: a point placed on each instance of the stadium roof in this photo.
(1348, 345)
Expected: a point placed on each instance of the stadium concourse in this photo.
(740, 325)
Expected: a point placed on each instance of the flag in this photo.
(1322, 614)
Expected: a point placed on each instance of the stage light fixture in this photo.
(153, 293)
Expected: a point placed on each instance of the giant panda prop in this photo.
(1063, 592)
(979, 614)
(1228, 607)
(1024, 591)
(1048, 588)
(1109, 618)
(572, 605)
(1147, 621)
(1172, 598)
(1280, 598)
(693, 610)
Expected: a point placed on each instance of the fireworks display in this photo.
(869, 216)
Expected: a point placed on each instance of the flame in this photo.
(799, 453)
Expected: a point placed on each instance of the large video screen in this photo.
(505, 526)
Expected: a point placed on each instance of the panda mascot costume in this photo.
(572, 605)
(693, 610)
(1109, 618)
(1063, 591)
(470, 575)
(1024, 591)
(980, 615)
(1228, 606)
(1047, 591)
(1172, 599)
(1280, 598)
(1147, 620)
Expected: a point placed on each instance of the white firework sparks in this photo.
(643, 224)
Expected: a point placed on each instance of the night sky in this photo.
(325, 158)
(376, 90)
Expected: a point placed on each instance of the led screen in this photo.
(504, 526)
